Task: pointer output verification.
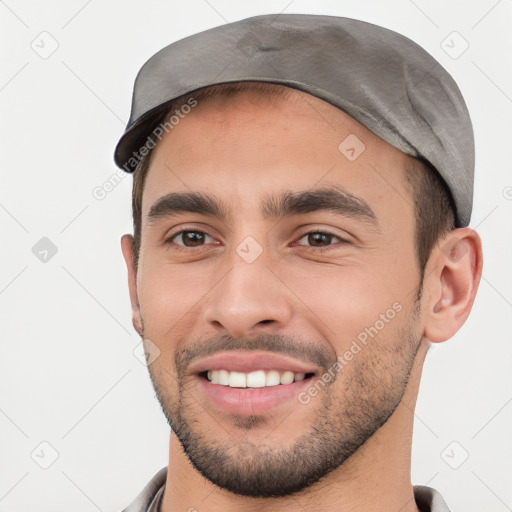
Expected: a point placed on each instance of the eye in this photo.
(190, 238)
(320, 239)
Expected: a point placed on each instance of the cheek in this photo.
(349, 303)
(169, 297)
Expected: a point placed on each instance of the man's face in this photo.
(294, 282)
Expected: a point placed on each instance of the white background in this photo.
(68, 375)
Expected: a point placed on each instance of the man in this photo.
(302, 191)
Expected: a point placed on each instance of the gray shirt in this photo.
(427, 499)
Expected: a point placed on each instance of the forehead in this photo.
(248, 142)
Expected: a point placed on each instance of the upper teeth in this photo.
(256, 379)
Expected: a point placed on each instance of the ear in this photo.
(452, 278)
(126, 247)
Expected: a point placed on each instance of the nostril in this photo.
(265, 321)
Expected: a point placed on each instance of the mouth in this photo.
(252, 383)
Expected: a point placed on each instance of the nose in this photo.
(249, 297)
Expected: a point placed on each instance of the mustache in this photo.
(296, 347)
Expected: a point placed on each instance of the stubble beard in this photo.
(347, 414)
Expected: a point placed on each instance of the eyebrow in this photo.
(325, 199)
(285, 204)
(191, 202)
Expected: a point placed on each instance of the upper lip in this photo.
(248, 361)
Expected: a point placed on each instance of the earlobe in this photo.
(126, 247)
(453, 275)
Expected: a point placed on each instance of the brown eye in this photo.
(189, 238)
(319, 239)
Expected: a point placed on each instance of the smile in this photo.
(251, 382)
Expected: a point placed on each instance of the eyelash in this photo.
(341, 241)
(182, 248)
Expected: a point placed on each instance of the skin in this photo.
(240, 150)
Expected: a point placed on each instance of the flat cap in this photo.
(382, 79)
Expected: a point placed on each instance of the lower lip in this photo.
(251, 401)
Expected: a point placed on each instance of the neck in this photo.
(375, 478)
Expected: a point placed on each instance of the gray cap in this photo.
(382, 79)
